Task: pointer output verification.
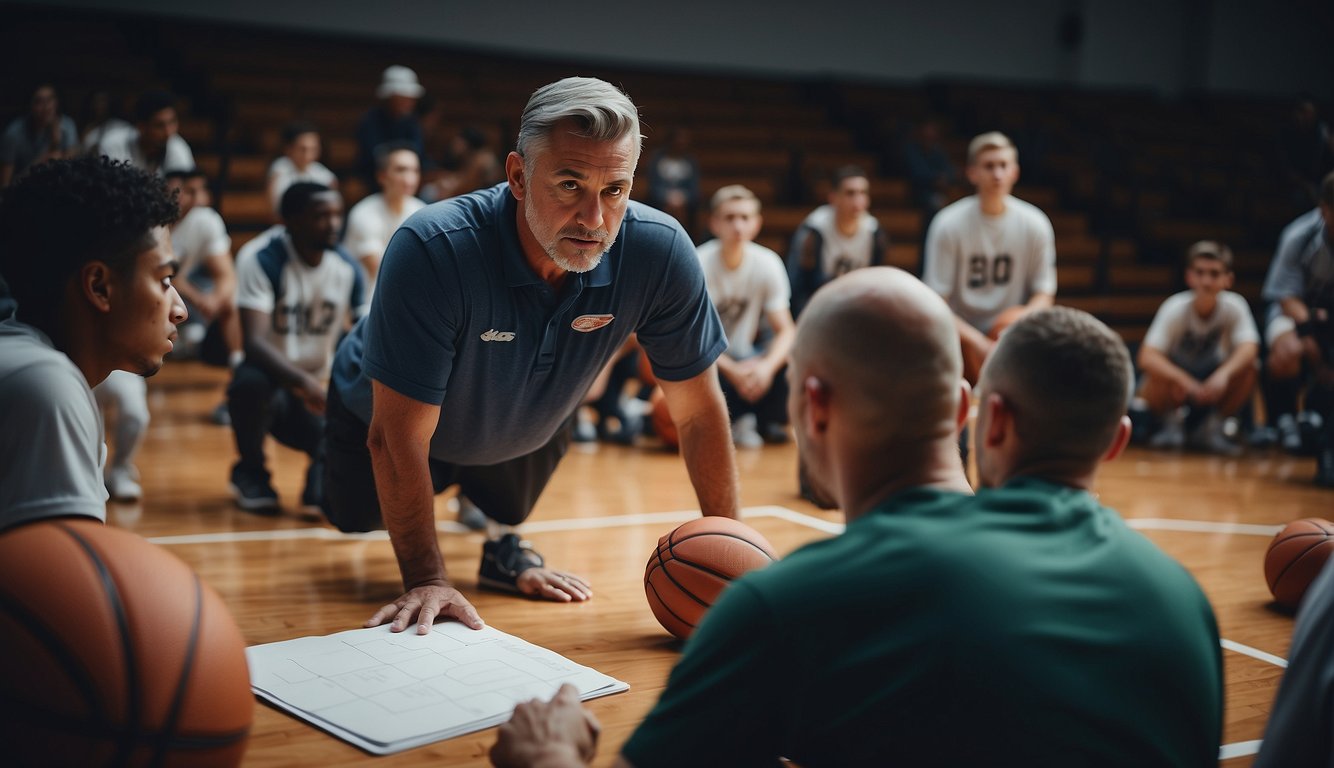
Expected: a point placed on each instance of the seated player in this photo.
(1029, 614)
(154, 144)
(300, 161)
(835, 238)
(90, 299)
(991, 255)
(1299, 331)
(1199, 354)
(297, 296)
(746, 282)
(374, 220)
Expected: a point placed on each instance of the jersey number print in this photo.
(999, 273)
(313, 320)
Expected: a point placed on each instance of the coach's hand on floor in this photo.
(423, 604)
(553, 585)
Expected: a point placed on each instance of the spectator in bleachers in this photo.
(300, 161)
(929, 168)
(393, 119)
(836, 238)
(991, 256)
(1199, 355)
(1305, 152)
(746, 284)
(374, 219)
(154, 143)
(1299, 332)
(101, 116)
(673, 179)
(296, 296)
(467, 164)
(43, 134)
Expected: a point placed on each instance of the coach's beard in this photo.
(583, 263)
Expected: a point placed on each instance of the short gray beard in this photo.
(570, 266)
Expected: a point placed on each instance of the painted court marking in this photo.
(1225, 752)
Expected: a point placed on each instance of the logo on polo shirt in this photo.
(494, 335)
(586, 323)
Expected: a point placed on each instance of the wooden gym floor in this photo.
(601, 516)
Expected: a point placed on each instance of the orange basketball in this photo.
(663, 425)
(114, 653)
(693, 563)
(1295, 558)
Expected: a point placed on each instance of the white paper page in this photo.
(386, 692)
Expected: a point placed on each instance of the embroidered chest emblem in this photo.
(586, 323)
(494, 335)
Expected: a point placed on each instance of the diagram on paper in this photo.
(386, 692)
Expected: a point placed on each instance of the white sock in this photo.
(494, 530)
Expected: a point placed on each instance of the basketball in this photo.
(692, 565)
(1295, 557)
(115, 653)
(663, 426)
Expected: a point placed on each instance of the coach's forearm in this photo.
(700, 413)
(403, 481)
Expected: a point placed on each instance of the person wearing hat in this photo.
(394, 119)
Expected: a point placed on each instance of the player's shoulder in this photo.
(474, 213)
(1234, 302)
(1028, 211)
(956, 212)
(36, 375)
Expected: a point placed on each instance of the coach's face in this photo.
(144, 308)
(572, 192)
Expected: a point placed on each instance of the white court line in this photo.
(1238, 749)
(537, 526)
(1254, 653)
(1201, 526)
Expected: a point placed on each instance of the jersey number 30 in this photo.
(999, 273)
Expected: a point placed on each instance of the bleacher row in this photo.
(1127, 179)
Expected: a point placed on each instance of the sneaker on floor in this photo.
(744, 433)
(775, 434)
(123, 484)
(1173, 432)
(1210, 437)
(470, 515)
(312, 496)
(503, 560)
(253, 491)
(221, 415)
(1324, 468)
(1289, 435)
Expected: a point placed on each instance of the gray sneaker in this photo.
(1173, 432)
(1210, 438)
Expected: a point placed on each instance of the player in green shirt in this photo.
(1026, 625)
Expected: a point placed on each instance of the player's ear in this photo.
(965, 404)
(514, 173)
(817, 396)
(1000, 420)
(95, 284)
(1120, 440)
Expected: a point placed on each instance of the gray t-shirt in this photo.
(51, 442)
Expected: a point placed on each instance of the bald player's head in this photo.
(1065, 380)
(879, 348)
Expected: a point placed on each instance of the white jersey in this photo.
(308, 307)
(1199, 343)
(124, 145)
(370, 224)
(283, 173)
(198, 236)
(983, 265)
(757, 286)
(842, 254)
(259, 242)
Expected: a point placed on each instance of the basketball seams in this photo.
(1278, 580)
(672, 542)
(183, 680)
(134, 715)
(55, 645)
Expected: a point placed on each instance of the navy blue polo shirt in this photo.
(460, 320)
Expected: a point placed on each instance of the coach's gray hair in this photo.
(598, 109)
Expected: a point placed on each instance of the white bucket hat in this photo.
(399, 81)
